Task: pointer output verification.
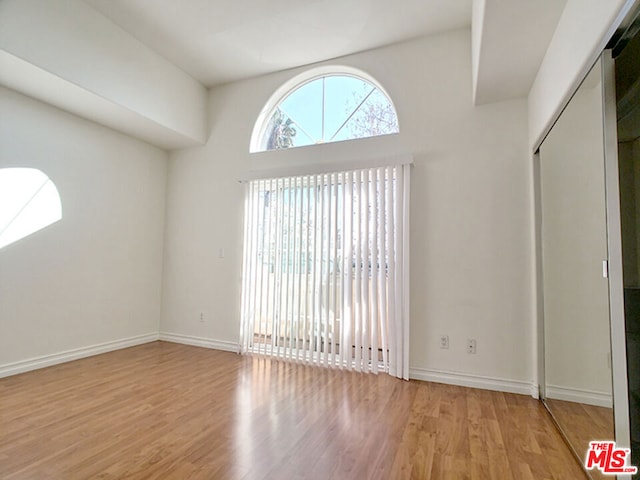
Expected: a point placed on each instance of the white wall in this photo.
(94, 276)
(69, 40)
(470, 231)
(582, 32)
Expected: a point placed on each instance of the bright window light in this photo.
(328, 107)
(29, 201)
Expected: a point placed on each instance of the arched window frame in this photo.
(299, 81)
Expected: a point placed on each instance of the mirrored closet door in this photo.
(577, 346)
(588, 183)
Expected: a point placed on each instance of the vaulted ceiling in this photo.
(218, 41)
(210, 42)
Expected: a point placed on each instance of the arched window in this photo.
(29, 201)
(328, 104)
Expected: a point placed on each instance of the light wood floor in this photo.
(163, 410)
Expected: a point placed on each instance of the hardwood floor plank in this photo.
(168, 411)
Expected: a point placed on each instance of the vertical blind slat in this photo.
(334, 270)
(358, 273)
(261, 291)
(246, 267)
(406, 182)
(366, 274)
(326, 321)
(325, 269)
(373, 238)
(298, 256)
(382, 258)
(286, 264)
(399, 272)
(316, 273)
(307, 269)
(346, 353)
(392, 277)
(275, 317)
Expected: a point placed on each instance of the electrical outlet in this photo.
(203, 317)
(471, 345)
(444, 341)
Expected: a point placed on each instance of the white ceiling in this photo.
(210, 42)
(218, 41)
(514, 38)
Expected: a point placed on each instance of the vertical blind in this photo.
(326, 269)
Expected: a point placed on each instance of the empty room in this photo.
(319, 239)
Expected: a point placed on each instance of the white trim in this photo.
(406, 264)
(74, 354)
(334, 167)
(199, 341)
(589, 397)
(474, 381)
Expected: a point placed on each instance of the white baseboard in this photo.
(589, 397)
(74, 354)
(438, 376)
(474, 381)
(199, 341)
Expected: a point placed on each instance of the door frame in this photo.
(614, 244)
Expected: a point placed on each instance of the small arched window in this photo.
(324, 105)
(29, 201)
